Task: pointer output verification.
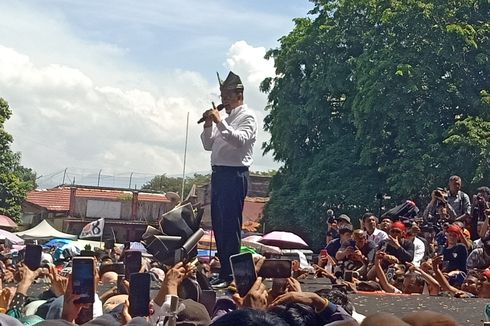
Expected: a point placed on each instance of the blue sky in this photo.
(108, 84)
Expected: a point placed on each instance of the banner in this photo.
(93, 229)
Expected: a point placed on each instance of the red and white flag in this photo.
(93, 229)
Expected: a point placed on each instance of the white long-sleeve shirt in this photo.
(418, 252)
(231, 141)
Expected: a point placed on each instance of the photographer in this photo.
(480, 211)
(453, 205)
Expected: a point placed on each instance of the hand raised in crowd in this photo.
(71, 310)
(393, 241)
(356, 255)
(58, 282)
(380, 255)
(27, 278)
(306, 298)
(293, 285)
(437, 262)
(173, 278)
(256, 298)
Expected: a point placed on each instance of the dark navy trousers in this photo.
(228, 190)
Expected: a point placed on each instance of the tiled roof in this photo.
(252, 211)
(58, 199)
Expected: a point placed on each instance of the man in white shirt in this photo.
(231, 142)
(370, 222)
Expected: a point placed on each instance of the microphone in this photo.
(219, 108)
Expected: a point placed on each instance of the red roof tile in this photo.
(58, 199)
(252, 211)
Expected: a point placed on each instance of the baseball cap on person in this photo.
(344, 217)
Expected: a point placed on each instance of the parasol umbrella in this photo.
(11, 237)
(253, 242)
(7, 222)
(283, 240)
(57, 242)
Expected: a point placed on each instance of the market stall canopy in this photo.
(11, 237)
(7, 222)
(283, 240)
(44, 230)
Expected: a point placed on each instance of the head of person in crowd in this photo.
(343, 220)
(471, 284)
(296, 314)
(453, 235)
(360, 238)
(370, 222)
(413, 282)
(454, 184)
(345, 234)
(385, 224)
(484, 285)
(397, 230)
(250, 317)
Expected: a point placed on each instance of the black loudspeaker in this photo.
(163, 247)
(179, 222)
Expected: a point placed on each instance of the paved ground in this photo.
(465, 311)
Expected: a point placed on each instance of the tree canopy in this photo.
(15, 180)
(376, 96)
(164, 183)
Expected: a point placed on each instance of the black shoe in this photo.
(220, 284)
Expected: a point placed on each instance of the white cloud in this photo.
(83, 103)
(63, 118)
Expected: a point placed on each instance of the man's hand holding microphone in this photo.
(211, 115)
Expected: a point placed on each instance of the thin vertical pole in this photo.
(185, 156)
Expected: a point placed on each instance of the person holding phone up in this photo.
(231, 142)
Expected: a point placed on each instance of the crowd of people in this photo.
(446, 250)
(435, 254)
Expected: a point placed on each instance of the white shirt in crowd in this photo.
(231, 141)
(418, 252)
(377, 236)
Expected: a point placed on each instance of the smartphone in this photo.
(132, 261)
(121, 288)
(139, 295)
(244, 274)
(276, 268)
(323, 253)
(118, 268)
(83, 279)
(32, 257)
(348, 276)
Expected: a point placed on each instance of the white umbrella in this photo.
(253, 242)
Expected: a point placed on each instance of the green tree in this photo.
(376, 96)
(15, 180)
(163, 183)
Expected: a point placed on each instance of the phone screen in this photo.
(243, 272)
(32, 258)
(139, 295)
(275, 268)
(132, 261)
(83, 279)
(348, 276)
(121, 288)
